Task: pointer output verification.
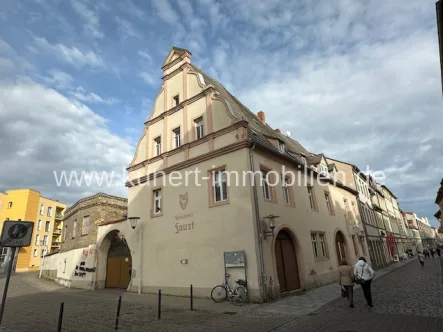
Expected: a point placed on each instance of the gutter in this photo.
(262, 279)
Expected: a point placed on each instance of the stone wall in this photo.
(100, 208)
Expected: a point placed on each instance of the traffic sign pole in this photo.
(8, 276)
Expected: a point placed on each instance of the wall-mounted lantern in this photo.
(133, 221)
(271, 224)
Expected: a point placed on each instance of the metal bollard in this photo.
(159, 307)
(60, 317)
(117, 315)
(192, 298)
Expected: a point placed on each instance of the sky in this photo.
(356, 80)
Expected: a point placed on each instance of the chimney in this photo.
(278, 131)
(261, 116)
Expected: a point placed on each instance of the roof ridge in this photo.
(241, 111)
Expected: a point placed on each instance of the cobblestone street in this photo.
(408, 299)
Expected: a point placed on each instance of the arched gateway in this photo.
(118, 263)
(286, 259)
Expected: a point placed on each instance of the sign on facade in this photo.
(235, 258)
(16, 233)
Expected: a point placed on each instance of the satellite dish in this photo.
(288, 133)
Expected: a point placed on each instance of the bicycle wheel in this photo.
(239, 296)
(218, 293)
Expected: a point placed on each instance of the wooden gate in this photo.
(119, 264)
(287, 267)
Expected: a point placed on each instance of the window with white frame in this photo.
(3, 254)
(37, 240)
(49, 211)
(286, 193)
(39, 225)
(219, 186)
(176, 133)
(35, 253)
(199, 132)
(158, 146)
(265, 185)
(157, 201)
(85, 225)
(42, 208)
(311, 197)
(318, 241)
(324, 170)
(45, 240)
(322, 240)
(74, 228)
(47, 226)
(44, 252)
(329, 203)
(281, 146)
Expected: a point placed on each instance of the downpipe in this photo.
(262, 279)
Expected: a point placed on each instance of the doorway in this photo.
(119, 263)
(340, 247)
(286, 259)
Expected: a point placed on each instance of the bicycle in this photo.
(237, 294)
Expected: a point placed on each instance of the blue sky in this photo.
(356, 80)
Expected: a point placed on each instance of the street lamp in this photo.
(42, 243)
(271, 219)
(134, 221)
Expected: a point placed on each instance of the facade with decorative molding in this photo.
(217, 191)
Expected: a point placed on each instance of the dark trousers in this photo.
(350, 294)
(366, 287)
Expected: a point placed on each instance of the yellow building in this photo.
(47, 215)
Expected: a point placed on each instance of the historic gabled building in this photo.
(217, 189)
(369, 210)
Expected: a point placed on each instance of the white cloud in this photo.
(6, 65)
(145, 56)
(70, 55)
(90, 97)
(165, 11)
(149, 78)
(92, 26)
(127, 29)
(58, 79)
(57, 135)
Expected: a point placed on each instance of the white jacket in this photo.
(363, 270)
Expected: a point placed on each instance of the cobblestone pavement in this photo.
(409, 299)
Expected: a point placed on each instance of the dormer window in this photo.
(176, 100)
(324, 170)
(303, 160)
(281, 146)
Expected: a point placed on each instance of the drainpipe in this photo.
(140, 261)
(262, 278)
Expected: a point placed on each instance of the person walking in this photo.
(421, 258)
(346, 281)
(439, 252)
(363, 275)
(432, 253)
